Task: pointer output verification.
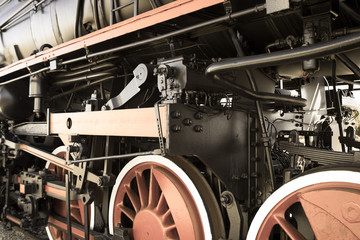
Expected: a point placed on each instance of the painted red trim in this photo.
(55, 191)
(13, 220)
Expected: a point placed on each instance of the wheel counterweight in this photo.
(156, 199)
(322, 205)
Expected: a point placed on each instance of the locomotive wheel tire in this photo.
(329, 198)
(164, 199)
(52, 232)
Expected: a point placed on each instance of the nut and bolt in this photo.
(176, 128)
(176, 114)
(199, 116)
(198, 128)
(187, 121)
(225, 199)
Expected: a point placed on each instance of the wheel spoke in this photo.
(161, 207)
(127, 211)
(154, 191)
(288, 228)
(134, 198)
(171, 232)
(76, 216)
(142, 188)
(167, 218)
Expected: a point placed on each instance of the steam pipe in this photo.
(338, 45)
(261, 96)
(17, 12)
(85, 86)
(93, 68)
(25, 76)
(3, 2)
(83, 78)
(22, 15)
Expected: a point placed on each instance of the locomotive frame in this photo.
(184, 149)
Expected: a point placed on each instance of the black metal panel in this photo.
(218, 139)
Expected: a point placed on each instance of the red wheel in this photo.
(59, 206)
(156, 199)
(322, 205)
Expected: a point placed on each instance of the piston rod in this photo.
(129, 155)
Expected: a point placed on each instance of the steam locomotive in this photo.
(185, 119)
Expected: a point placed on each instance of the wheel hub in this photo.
(148, 224)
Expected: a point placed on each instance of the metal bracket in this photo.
(141, 73)
(158, 122)
(172, 78)
(228, 200)
(276, 5)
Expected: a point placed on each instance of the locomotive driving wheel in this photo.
(158, 198)
(321, 205)
(57, 230)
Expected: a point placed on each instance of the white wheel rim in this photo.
(179, 172)
(342, 176)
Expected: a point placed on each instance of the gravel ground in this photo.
(15, 233)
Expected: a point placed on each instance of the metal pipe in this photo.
(261, 96)
(112, 14)
(83, 78)
(25, 76)
(259, 110)
(22, 15)
(344, 31)
(83, 87)
(264, 134)
(16, 13)
(86, 220)
(123, 6)
(92, 63)
(136, 7)
(337, 104)
(172, 34)
(78, 18)
(68, 212)
(348, 81)
(93, 68)
(3, 2)
(338, 45)
(129, 155)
